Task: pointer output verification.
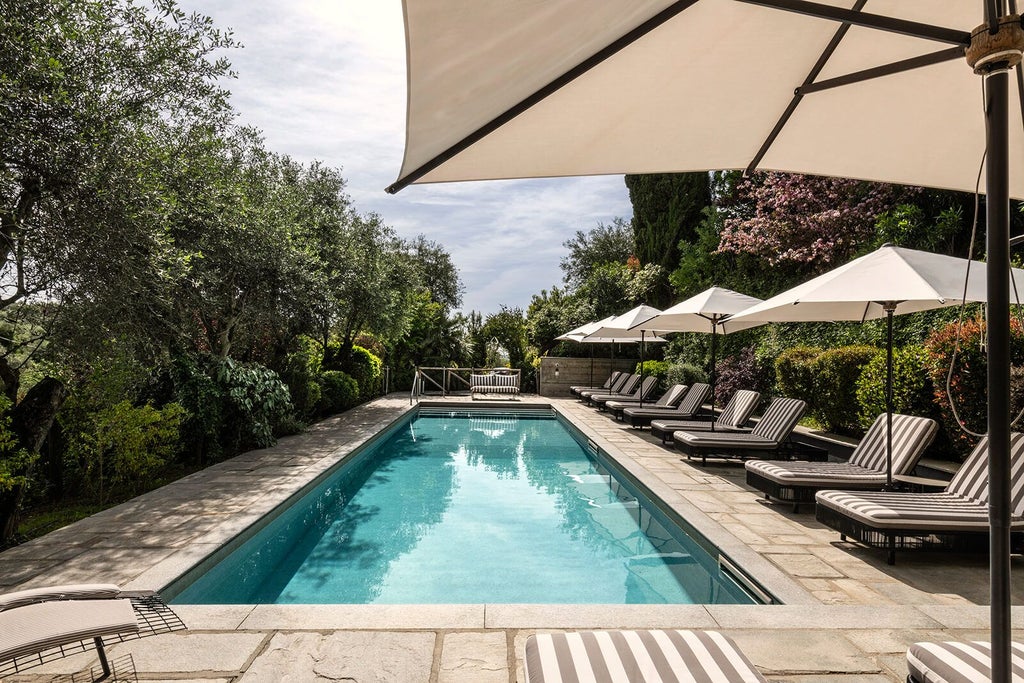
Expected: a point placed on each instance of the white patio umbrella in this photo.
(711, 312)
(579, 335)
(502, 89)
(632, 324)
(890, 280)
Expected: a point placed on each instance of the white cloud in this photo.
(326, 80)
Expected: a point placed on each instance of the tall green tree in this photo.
(611, 243)
(95, 93)
(667, 209)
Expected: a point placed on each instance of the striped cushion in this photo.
(910, 436)
(971, 480)
(780, 418)
(958, 662)
(636, 657)
(34, 628)
(724, 440)
(693, 426)
(494, 384)
(616, 386)
(941, 511)
(866, 467)
(694, 399)
(77, 591)
(739, 408)
(642, 392)
(819, 474)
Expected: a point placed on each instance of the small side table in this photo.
(920, 483)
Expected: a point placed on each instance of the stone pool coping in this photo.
(854, 618)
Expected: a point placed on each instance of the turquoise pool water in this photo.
(471, 508)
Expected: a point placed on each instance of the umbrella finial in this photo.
(991, 52)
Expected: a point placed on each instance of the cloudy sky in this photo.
(325, 79)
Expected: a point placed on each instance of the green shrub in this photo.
(15, 462)
(360, 364)
(793, 376)
(835, 373)
(969, 382)
(912, 391)
(300, 371)
(656, 368)
(339, 392)
(685, 373)
(204, 401)
(257, 400)
(365, 368)
(121, 447)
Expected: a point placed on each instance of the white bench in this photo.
(494, 383)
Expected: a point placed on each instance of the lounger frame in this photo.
(893, 539)
(154, 618)
(955, 531)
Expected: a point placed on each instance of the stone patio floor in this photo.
(847, 615)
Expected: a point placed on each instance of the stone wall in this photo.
(574, 371)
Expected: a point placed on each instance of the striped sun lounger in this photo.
(797, 482)
(957, 662)
(732, 419)
(624, 386)
(770, 434)
(955, 517)
(607, 383)
(636, 657)
(643, 391)
(688, 407)
(668, 401)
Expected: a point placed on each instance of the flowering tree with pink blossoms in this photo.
(798, 219)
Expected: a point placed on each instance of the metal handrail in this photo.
(421, 377)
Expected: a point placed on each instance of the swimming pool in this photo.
(469, 507)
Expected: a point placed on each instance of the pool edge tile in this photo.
(359, 617)
(504, 616)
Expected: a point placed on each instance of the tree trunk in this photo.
(31, 421)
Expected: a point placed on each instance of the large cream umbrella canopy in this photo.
(877, 90)
(530, 88)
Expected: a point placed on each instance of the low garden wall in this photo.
(574, 371)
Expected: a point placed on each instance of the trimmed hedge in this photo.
(969, 383)
(834, 375)
(657, 368)
(685, 373)
(338, 392)
(912, 390)
(793, 375)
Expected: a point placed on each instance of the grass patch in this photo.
(41, 521)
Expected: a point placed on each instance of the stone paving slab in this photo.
(474, 658)
(370, 657)
(848, 617)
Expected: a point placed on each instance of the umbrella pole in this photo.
(642, 333)
(997, 249)
(592, 366)
(890, 308)
(714, 370)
